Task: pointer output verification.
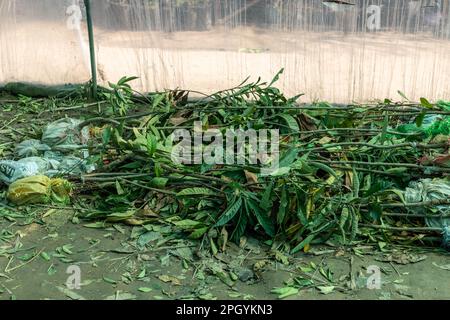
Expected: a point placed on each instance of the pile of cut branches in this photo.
(343, 174)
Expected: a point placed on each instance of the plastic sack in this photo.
(445, 105)
(39, 190)
(31, 148)
(65, 135)
(11, 171)
(432, 126)
(440, 126)
(69, 165)
(429, 190)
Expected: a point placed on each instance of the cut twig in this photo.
(403, 229)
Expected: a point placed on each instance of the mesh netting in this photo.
(363, 50)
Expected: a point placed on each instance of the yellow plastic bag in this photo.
(39, 189)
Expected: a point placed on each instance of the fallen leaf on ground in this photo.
(444, 267)
(402, 258)
(326, 289)
(171, 279)
(285, 292)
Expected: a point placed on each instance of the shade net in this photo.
(339, 51)
(38, 44)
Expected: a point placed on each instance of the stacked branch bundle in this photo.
(373, 172)
(346, 173)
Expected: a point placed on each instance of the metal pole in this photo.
(90, 26)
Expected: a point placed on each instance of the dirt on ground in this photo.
(40, 258)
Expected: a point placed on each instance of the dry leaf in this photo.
(171, 279)
(402, 258)
(251, 177)
(224, 235)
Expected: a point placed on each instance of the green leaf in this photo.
(198, 233)
(71, 294)
(145, 289)
(125, 80)
(142, 274)
(425, 103)
(119, 188)
(291, 122)
(214, 249)
(402, 95)
(262, 218)
(281, 172)
(239, 231)
(355, 225)
(303, 244)
(289, 157)
(229, 213)
(26, 257)
(45, 256)
(266, 201)
(375, 211)
(148, 237)
(188, 224)
(303, 283)
(343, 219)
(283, 205)
(325, 168)
(159, 98)
(120, 216)
(420, 118)
(67, 248)
(400, 194)
(151, 145)
(159, 182)
(95, 225)
(51, 270)
(285, 292)
(301, 214)
(397, 171)
(356, 183)
(106, 135)
(276, 78)
(109, 280)
(385, 129)
(443, 267)
(326, 289)
(196, 192)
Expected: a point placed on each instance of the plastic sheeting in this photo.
(36, 44)
(354, 50)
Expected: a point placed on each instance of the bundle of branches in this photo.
(342, 171)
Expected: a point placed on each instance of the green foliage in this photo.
(338, 165)
(120, 96)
